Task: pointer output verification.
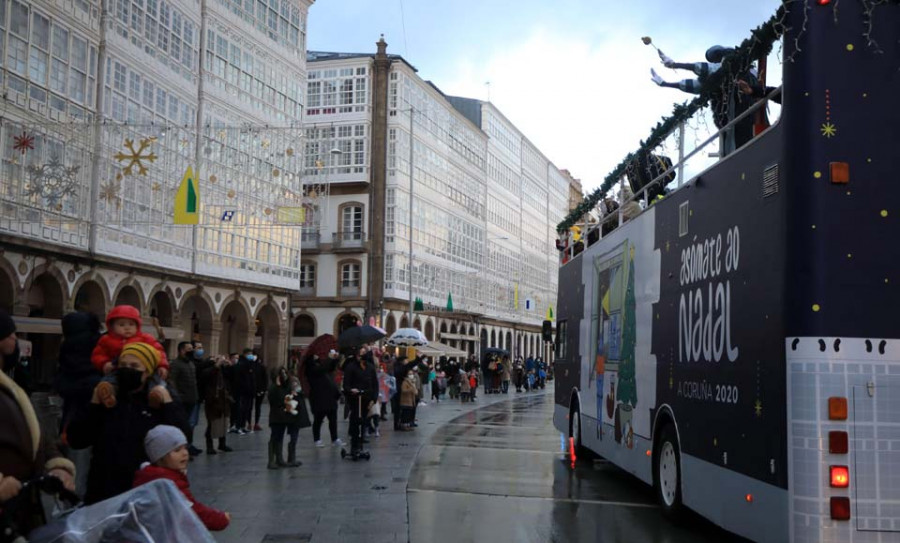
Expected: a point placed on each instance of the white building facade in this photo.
(485, 206)
(106, 106)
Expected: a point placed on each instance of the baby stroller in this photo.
(530, 381)
(156, 511)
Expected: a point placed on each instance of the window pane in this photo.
(79, 53)
(17, 55)
(40, 31)
(18, 20)
(60, 42)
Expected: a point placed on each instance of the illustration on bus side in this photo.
(615, 332)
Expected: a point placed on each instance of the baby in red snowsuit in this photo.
(123, 326)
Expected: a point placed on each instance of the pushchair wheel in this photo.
(365, 455)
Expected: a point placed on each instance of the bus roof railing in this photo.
(570, 248)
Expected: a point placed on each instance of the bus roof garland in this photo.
(757, 46)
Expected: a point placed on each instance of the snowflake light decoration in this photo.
(110, 192)
(136, 157)
(23, 143)
(52, 181)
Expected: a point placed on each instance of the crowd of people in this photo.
(129, 413)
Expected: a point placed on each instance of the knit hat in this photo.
(162, 440)
(147, 354)
(7, 325)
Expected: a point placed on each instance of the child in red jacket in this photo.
(123, 327)
(166, 448)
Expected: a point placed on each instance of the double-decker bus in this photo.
(737, 344)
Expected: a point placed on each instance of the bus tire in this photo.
(667, 473)
(575, 432)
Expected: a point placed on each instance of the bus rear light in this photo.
(749, 498)
(840, 173)
(840, 476)
(838, 442)
(837, 408)
(840, 508)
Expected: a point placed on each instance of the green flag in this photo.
(418, 305)
(449, 302)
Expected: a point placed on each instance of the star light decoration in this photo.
(23, 143)
(829, 130)
(136, 157)
(52, 181)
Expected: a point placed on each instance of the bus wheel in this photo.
(667, 472)
(581, 452)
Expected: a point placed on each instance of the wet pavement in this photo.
(490, 471)
(499, 474)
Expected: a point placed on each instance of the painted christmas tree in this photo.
(627, 384)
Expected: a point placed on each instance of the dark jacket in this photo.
(278, 414)
(323, 391)
(243, 378)
(17, 371)
(215, 394)
(363, 379)
(260, 377)
(77, 377)
(117, 435)
(183, 378)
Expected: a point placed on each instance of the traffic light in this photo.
(547, 331)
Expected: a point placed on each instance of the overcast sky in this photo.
(573, 75)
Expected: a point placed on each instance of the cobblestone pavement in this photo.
(326, 499)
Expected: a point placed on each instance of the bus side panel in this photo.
(567, 362)
(718, 327)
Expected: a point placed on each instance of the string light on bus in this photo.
(823, 2)
(749, 498)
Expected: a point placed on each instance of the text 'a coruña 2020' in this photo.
(704, 311)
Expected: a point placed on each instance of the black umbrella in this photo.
(356, 336)
(495, 351)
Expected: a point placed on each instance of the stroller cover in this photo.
(152, 513)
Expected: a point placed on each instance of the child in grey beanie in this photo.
(166, 448)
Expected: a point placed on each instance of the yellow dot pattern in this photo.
(816, 308)
(813, 227)
(884, 212)
(850, 47)
(817, 175)
(849, 255)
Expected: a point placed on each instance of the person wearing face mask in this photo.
(287, 413)
(183, 381)
(117, 433)
(261, 386)
(245, 388)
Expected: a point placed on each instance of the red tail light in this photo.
(823, 2)
(840, 508)
(840, 476)
(838, 442)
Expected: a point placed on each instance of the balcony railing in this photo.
(349, 240)
(309, 241)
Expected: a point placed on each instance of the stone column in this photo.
(378, 179)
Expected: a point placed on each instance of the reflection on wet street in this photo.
(499, 474)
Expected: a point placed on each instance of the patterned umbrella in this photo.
(407, 337)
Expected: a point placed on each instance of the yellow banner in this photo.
(187, 200)
(291, 215)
